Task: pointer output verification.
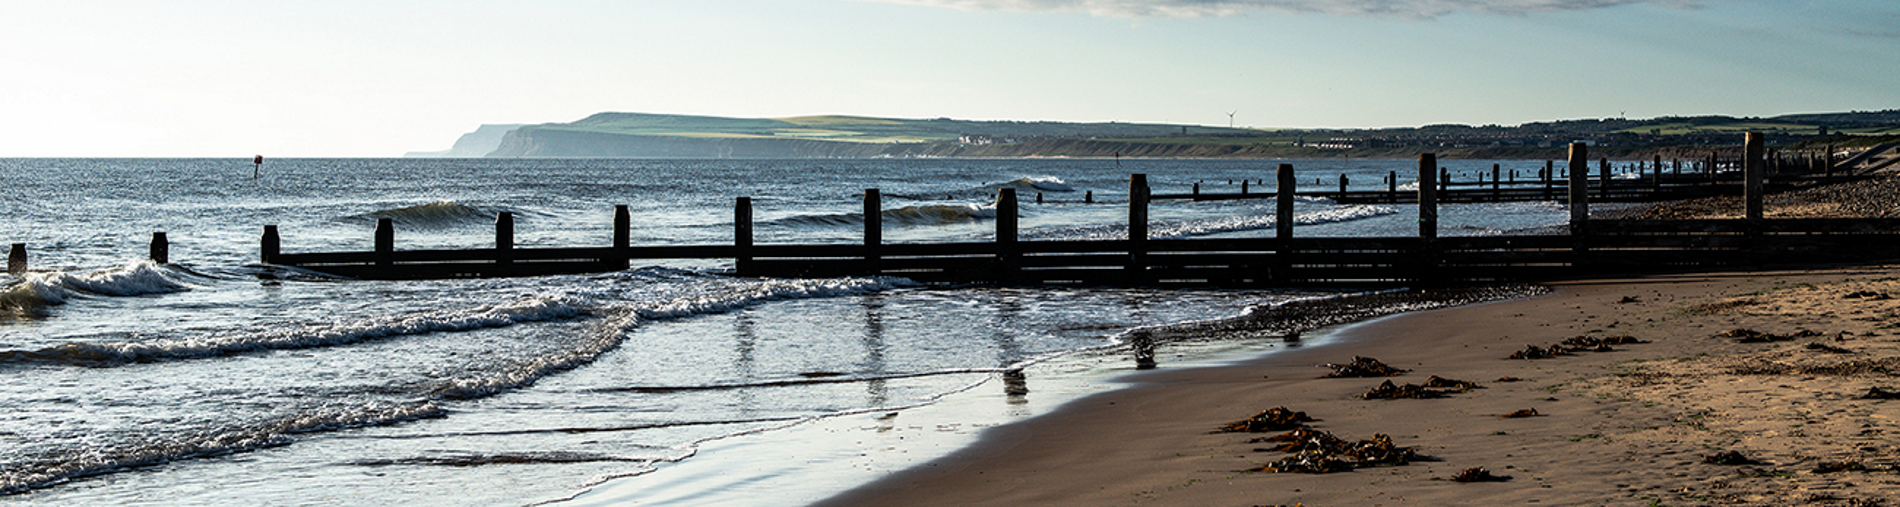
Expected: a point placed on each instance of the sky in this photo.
(377, 78)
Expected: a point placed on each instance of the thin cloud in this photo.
(1422, 9)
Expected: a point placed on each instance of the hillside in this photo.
(639, 135)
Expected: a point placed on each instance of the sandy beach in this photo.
(1635, 425)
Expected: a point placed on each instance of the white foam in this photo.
(1048, 183)
(526, 310)
(611, 331)
(73, 464)
(1208, 227)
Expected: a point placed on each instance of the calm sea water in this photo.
(217, 380)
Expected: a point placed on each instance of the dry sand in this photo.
(1632, 426)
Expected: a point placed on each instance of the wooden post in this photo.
(623, 237)
(742, 235)
(1006, 248)
(1428, 173)
(1138, 207)
(1579, 193)
(1137, 227)
(1655, 176)
(385, 242)
(1243, 187)
(1283, 204)
(1444, 177)
(1549, 175)
(623, 228)
(1603, 177)
(1088, 196)
(270, 246)
(1342, 187)
(161, 249)
(16, 259)
(1392, 187)
(1753, 169)
(504, 237)
(1496, 189)
(1039, 196)
(873, 223)
(1197, 189)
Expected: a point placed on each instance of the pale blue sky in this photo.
(378, 78)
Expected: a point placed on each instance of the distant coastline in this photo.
(680, 136)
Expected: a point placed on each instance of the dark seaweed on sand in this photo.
(1363, 367)
(1478, 474)
(1318, 452)
(1273, 419)
(1729, 458)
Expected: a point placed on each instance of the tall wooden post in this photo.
(269, 246)
(1088, 196)
(504, 237)
(1137, 227)
(1550, 175)
(742, 236)
(1603, 178)
(1007, 250)
(1197, 189)
(1497, 192)
(1342, 187)
(385, 242)
(1243, 187)
(623, 236)
(1391, 187)
(873, 224)
(1754, 168)
(1579, 193)
(16, 259)
(1655, 177)
(161, 249)
(1428, 185)
(1283, 203)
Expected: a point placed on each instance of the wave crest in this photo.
(1195, 228)
(104, 354)
(437, 214)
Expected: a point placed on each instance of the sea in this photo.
(217, 380)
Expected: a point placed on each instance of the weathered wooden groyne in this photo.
(1590, 246)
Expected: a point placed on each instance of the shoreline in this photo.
(812, 461)
(1598, 438)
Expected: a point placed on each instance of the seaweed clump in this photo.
(1363, 367)
(1876, 393)
(1729, 458)
(1575, 344)
(1318, 452)
(1436, 387)
(1273, 419)
(1478, 474)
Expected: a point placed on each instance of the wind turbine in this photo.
(1230, 118)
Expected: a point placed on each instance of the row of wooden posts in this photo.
(980, 261)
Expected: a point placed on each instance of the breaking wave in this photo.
(435, 215)
(921, 214)
(325, 335)
(31, 294)
(1042, 183)
(56, 466)
(1207, 227)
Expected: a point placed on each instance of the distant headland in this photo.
(642, 135)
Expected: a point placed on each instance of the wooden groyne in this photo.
(1590, 247)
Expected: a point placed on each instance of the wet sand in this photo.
(1623, 427)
